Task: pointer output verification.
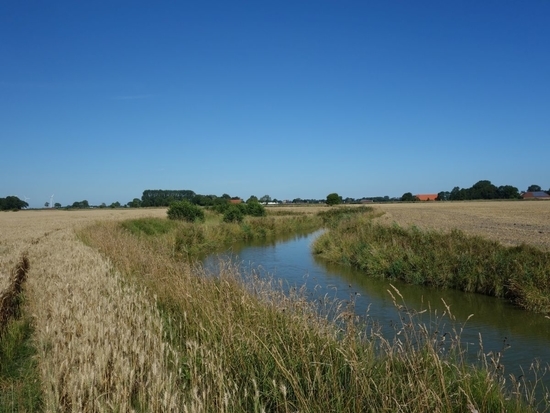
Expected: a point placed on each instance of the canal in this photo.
(521, 337)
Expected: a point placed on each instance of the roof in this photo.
(536, 195)
(426, 197)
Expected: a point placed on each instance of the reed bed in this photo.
(245, 345)
(520, 274)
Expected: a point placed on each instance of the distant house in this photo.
(535, 195)
(426, 197)
(235, 201)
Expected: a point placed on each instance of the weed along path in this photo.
(518, 336)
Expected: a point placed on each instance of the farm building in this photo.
(426, 197)
(535, 195)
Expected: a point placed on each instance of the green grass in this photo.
(444, 260)
(19, 378)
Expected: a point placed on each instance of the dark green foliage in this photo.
(233, 214)
(408, 197)
(255, 209)
(161, 197)
(135, 203)
(333, 199)
(484, 190)
(445, 260)
(81, 205)
(184, 210)
(534, 188)
(12, 203)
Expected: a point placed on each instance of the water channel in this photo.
(524, 335)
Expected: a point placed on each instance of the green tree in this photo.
(252, 199)
(12, 203)
(408, 197)
(186, 211)
(333, 199)
(534, 188)
(265, 199)
(135, 203)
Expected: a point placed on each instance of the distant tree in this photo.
(443, 196)
(134, 203)
(115, 205)
(252, 199)
(186, 211)
(408, 197)
(11, 203)
(46, 204)
(57, 205)
(103, 205)
(265, 199)
(333, 199)
(508, 192)
(534, 188)
(81, 204)
(226, 196)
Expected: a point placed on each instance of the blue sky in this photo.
(102, 100)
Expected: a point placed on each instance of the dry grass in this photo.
(100, 342)
(510, 222)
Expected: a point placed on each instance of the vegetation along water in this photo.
(242, 342)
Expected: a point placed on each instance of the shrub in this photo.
(233, 214)
(184, 210)
(255, 209)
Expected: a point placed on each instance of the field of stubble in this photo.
(511, 223)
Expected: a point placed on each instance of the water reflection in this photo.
(498, 322)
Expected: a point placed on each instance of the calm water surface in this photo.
(526, 336)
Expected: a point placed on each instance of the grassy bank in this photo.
(242, 345)
(520, 274)
(192, 240)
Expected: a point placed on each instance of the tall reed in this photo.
(452, 259)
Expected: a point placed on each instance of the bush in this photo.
(255, 209)
(233, 214)
(184, 210)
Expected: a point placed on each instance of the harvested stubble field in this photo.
(510, 223)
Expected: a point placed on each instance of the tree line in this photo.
(480, 190)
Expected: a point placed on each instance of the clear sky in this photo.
(100, 100)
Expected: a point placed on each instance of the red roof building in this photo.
(426, 197)
(535, 195)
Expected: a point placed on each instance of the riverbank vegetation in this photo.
(520, 274)
(242, 344)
